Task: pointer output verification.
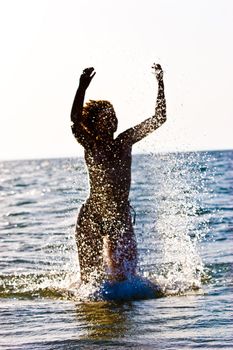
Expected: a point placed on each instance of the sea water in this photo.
(184, 224)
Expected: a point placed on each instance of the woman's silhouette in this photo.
(104, 232)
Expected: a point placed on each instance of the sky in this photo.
(45, 45)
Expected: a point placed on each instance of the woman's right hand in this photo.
(86, 77)
(158, 71)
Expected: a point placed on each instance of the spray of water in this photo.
(179, 225)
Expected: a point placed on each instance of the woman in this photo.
(104, 231)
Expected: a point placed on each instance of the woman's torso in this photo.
(109, 168)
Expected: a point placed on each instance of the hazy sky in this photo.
(45, 44)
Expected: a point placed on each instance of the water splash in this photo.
(179, 223)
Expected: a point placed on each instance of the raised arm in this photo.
(149, 125)
(78, 128)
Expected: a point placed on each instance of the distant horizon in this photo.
(133, 154)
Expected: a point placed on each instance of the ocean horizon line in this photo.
(133, 154)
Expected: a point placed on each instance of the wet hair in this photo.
(91, 112)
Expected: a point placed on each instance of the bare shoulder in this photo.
(126, 138)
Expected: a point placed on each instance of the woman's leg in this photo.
(90, 245)
(120, 249)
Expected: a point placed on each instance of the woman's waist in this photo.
(106, 206)
(109, 189)
(109, 196)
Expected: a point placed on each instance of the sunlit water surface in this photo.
(184, 225)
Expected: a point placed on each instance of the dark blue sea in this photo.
(184, 227)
